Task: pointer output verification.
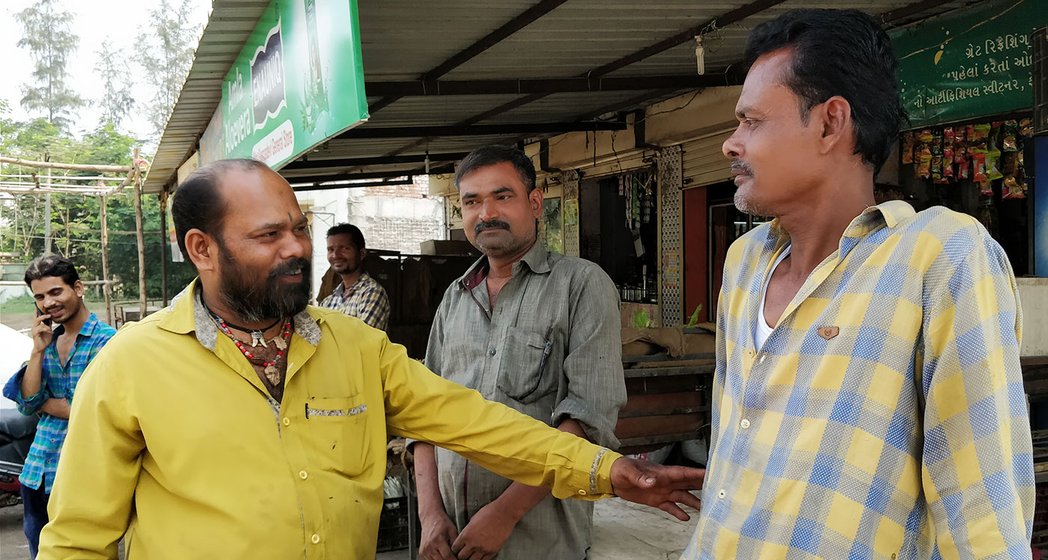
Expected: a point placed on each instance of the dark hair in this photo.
(352, 231)
(491, 155)
(198, 203)
(845, 53)
(51, 265)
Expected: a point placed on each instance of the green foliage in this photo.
(694, 319)
(166, 54)
(75, 219)
(117, 100)
(47, 34)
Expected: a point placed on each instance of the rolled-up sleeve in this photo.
(26, 405)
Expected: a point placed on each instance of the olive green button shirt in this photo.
(550, 348)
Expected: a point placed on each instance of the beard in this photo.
(257, 301)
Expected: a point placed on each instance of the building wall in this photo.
(1033, 292)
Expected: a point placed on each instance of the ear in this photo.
(202, 249)
(78, 287)
(836, 119)
(363, 254)
(535, 198)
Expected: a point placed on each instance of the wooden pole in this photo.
(140, 236)
(103, 218)
(163, 246)
(70, 166)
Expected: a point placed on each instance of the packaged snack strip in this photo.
(993, 171)
(1009, 133)
(963, 169)
(906, 148)
(936, 142)
(937, 170)
(1012, 188)
(979, 132)
(979, 168)
(924, 163)
(1026, 127)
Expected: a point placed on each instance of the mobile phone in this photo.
(40, 312)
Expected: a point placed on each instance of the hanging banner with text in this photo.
(298, 81)
(969, 64)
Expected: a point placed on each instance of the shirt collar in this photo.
(341, 290)
(887, 214)
(86, 330)
(536, 259)
(187, 314)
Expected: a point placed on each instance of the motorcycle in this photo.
(16, 436)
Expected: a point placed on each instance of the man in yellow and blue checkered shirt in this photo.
(868, 392)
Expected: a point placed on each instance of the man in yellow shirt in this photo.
(240, 423)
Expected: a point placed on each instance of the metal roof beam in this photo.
(546, 85)
(376, 160)
(491, 39)
(892, 16)
(479, 130)
(320, 178)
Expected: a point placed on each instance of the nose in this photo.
(732, 148)
(297, 246)
(487, 211)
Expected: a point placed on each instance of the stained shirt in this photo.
(57, 382)
(365, 300)
(174, 439)
(550, 348)
(885, 415)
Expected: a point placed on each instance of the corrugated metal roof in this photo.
(402, 39)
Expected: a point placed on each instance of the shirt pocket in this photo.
(524, 370)
(338, 431)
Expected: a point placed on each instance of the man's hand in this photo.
(484, 535)
(41, 333)
(438, 532)
(656, 485)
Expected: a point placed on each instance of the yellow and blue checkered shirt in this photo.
(885, 415)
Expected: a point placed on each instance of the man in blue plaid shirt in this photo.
(46, 383)
(869, 401)
(358, 294)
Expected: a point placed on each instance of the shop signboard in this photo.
(969, 64)
(297, 82)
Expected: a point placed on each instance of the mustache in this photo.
(737, 165)
(491, 224)
(293, 266)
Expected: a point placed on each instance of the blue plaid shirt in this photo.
(57, 382)
(885, 415)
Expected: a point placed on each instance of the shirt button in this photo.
(287, 421)
(721, 494)
(315, 538)
(582, 492)
(745, 424)
(303, 475)
(491, 352)
(761, 361)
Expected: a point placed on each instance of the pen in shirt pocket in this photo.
(547, 348)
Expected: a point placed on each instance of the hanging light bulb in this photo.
(427, 162)
(700, 56)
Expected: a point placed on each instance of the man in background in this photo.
(358, 294)
(537, 331)
(66, 337)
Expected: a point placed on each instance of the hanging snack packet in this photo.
(906, 148)
(1025, 127)
(993, 159)
(924, 162)
(937, 170)
(936, 142)
(963, 168)
(1012, 188)
(1009, 140)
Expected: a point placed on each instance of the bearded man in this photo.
(241, 423)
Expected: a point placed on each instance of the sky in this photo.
(95, 20)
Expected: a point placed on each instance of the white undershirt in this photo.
(763, 329)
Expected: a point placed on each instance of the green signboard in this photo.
(971, 63)
(298, 81)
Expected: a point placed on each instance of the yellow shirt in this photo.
(181, 446)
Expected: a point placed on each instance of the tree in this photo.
(117, 100)
(47, 33)
(167, 53)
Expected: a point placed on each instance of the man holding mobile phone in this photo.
(45, 384)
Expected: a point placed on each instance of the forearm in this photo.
(59, 408)
(32, 379)
(429, 500)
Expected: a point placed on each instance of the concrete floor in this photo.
(622, 531)
(625, 531)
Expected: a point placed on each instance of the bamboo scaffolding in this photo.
(106, 291)
(70, 166)
(136, 172)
